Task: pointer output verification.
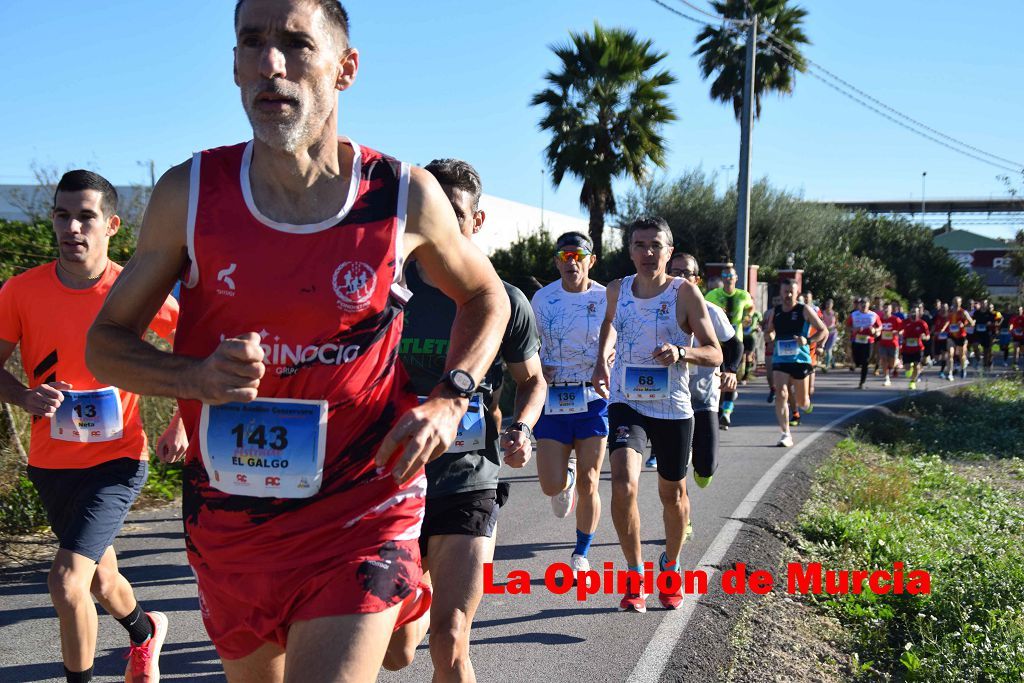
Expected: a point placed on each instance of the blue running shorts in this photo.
(569, 428)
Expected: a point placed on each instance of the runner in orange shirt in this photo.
(88, 453)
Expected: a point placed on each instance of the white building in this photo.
(506, 220)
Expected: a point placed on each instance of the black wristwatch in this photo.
(461, 382)
(520, 427)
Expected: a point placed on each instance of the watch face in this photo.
(462, 380)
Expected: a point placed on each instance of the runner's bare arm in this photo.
(115, 351)
(606, 342)
(821, 333)
(42, 400)
(530, 391)
(465, 275)
(769, 326)
(693, 317)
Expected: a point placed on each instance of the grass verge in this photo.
(893, 492)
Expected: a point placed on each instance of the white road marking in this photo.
(656, 655)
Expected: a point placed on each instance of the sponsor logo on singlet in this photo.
(286, 358)
(225, 277)
(354, 283)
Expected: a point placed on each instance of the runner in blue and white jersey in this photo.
(573, 431)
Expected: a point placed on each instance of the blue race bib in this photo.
(786, 348)
(566, 399)
(472, 433)
(89, 416)
(645, 382)
(269, 448)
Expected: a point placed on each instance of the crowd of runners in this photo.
(339, 350)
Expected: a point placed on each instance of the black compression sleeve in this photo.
(732, 354)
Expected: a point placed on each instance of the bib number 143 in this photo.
(270, 447)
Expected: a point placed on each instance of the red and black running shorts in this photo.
(243, 611)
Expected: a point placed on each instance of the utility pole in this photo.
(743, 184)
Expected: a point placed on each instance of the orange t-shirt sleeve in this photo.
(166, 320)
(10, 318)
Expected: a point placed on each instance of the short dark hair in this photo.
(80, 180)
(458, 174)
(790, 281)
(690, 260)
(648, 223)
(337, 15)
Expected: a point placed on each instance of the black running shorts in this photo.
(670, 439)
(86, 507)
(473, 513)
(794, 370)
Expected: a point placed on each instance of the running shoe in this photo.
(786, 440)
(913, 385)
(942, 375)
(689, 530)
(670, 600)
(651, 462)
(809, 409)
(771, 396)
(702, 482)
(724, 421)
(144, 660)
(950, 377)
(794, 419)
(908, 373)
(579, 563)
(887, 382)
(633, 602)
(861, 385)
(562, 503)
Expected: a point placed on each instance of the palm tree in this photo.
(604, 110)
(721, 50)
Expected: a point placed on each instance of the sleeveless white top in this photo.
(642, 325)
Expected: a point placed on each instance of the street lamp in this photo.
(924, 174)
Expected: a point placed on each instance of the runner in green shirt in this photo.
(737, 303)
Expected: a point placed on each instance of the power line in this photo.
(787, 51)
(676, 12)
(716, 17)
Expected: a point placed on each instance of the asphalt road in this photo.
(535, 637)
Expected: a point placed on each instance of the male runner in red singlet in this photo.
(957, 326)
(1016, 327)
(303, 487)
(916, 334)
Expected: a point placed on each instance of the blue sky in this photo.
(114, 83)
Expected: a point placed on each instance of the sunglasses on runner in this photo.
(728, 276)
(565, 255)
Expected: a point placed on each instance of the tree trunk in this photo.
(598, 206)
